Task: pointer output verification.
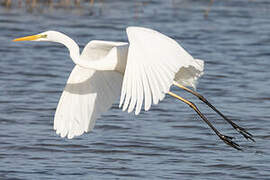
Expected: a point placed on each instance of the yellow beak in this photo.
(29, 38)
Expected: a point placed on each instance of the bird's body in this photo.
(108, 60)
(140, 71)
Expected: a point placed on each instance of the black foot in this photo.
(228, 140)
(242, 131)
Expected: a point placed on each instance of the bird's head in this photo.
(45, 36)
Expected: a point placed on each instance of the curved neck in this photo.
(74, 51)
(72, 46)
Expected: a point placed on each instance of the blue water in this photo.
(168, 142)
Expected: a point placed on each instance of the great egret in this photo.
(145, 68)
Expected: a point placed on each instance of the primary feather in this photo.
(153, 62)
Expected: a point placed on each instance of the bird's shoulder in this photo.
(97, 49)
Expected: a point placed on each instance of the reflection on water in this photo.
(170, 141)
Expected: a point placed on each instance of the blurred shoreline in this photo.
(46, 3)
(41, 6)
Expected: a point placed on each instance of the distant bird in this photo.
(142, 70)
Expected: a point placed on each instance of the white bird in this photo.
(142, 71)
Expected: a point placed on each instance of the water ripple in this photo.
(168, 142)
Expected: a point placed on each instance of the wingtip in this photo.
(70, 136)
(137, 112)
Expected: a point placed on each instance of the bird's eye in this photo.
(43, 35)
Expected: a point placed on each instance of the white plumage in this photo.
(88, 93)
(152, 63)
(148, 65)
(142, 71)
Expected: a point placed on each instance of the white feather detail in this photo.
(152, 63)
(88, 93)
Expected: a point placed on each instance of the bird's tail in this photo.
(188, 76)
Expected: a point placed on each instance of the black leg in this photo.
(226, 139)
(241, 130)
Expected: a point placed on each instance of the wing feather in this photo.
(88, 93)
(134, 86)
(140, 90)
(153, 61)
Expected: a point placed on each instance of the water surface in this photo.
(168, 142)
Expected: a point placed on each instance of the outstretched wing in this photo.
(153, 61)
(88, 93)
